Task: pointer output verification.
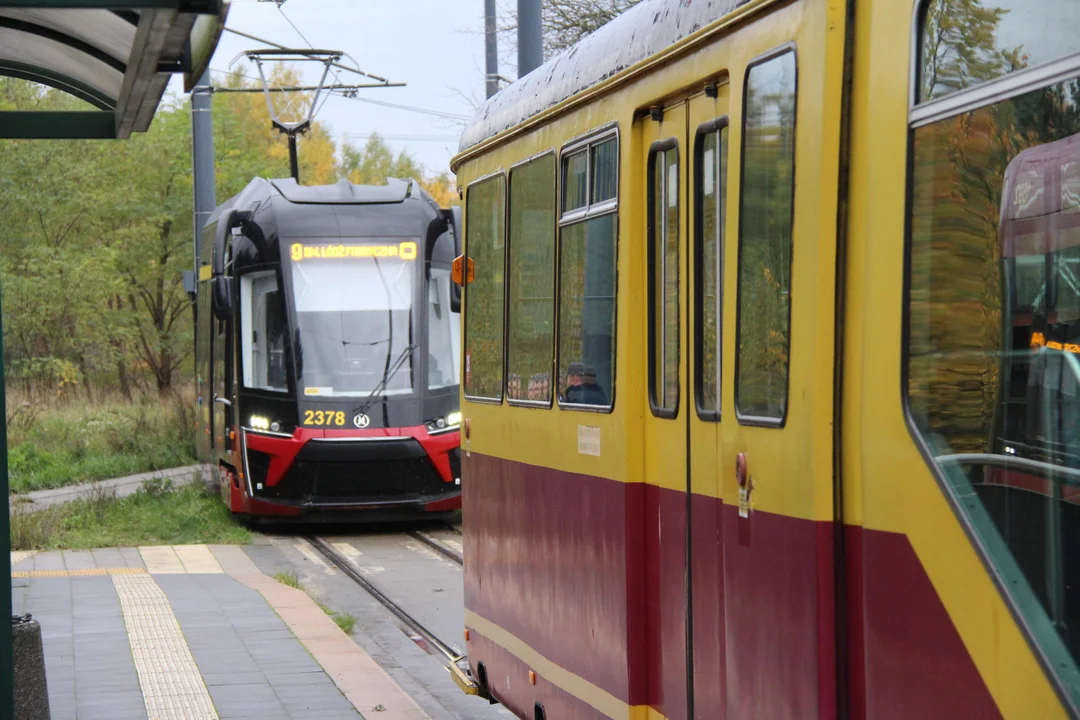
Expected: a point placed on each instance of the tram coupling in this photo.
(463, 678)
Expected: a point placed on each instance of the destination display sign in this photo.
(405, 250)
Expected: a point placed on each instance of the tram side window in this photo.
(444, 332)
(262, 331)
(993, 378)
(710, 201)
(765, 223)
(963, 44)
(587, 257)
(532, 281)
(664, 278)
(484, 300)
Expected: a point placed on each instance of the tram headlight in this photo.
(258, 422)
(449, 422)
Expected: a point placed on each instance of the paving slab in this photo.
(191, 631)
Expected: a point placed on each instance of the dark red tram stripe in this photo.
(549, 561)
(590, 573)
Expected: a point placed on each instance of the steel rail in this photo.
(413, 624)
(441, 547)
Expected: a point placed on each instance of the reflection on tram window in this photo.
(484, 301)
(532, 281)
(664, 280)
(587, 255)
(994, 336)
(354, 324)
(262, 331)
(966, 42)
(710, 203)
(765, 217)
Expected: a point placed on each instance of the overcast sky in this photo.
(436, 47)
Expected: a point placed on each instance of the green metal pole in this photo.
(7, 657)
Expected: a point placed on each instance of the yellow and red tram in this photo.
(756, 263)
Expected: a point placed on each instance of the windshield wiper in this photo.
(390, 372)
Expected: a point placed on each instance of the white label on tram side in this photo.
(588, 440)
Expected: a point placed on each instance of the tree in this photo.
(373, 163)
(564, 22)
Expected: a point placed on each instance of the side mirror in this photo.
(221, 297)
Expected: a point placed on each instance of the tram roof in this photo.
(642, 31)
(116, 55)
(319, 206)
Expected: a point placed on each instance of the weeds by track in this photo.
(429, 638)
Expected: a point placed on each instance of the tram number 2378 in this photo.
(323, 417)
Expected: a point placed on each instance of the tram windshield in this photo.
(355, 320)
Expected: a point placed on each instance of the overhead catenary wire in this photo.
(396, 106)
(356, 70)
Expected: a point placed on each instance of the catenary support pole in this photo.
(7, 656)
(530, 37)
(202, 158)
(491, 48)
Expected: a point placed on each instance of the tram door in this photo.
(664, 148)
(684, 158)
(738, 440)
(775, 448)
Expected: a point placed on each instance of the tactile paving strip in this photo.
(78, 571)
(171, 685)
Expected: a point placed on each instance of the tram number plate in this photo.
(324, 417)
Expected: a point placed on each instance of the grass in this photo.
(343, 620)
(288, 577)
(158, 515)
(78, 441)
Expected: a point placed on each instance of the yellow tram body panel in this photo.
(789, 590)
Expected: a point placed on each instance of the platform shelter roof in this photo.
(117, 55)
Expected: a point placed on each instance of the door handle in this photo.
(746, 485)
(224, 401)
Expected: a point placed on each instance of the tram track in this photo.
(424, 637)
(439, 546)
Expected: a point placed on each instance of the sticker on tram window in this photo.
(324, 417)
(404, 251)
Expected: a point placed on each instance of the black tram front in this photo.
(327, 350)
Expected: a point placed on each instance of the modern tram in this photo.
(327, 352)
(795, 289)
